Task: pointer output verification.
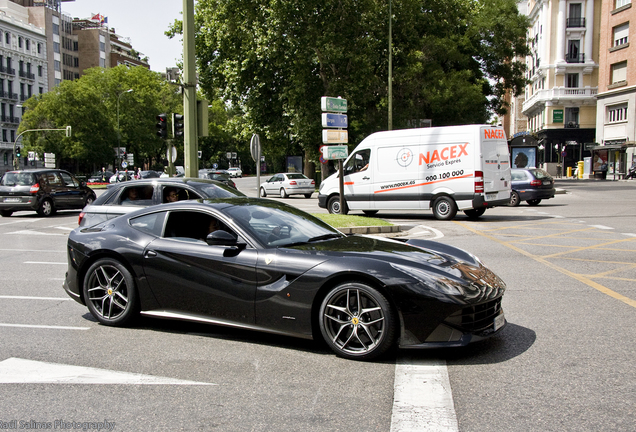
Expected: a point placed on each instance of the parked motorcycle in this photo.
(632, 173)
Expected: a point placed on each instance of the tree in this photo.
(89, 105)
(453, 61)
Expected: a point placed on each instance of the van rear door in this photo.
(495, 162)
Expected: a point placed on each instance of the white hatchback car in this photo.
(235, 172)
(285, 184)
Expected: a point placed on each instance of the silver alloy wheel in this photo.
(283, 193)
(514, 199)
(46, 208)
(356, 321)
(108, 292)
(263, 193)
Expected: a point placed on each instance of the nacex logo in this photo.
(449, 152)
(494, 134)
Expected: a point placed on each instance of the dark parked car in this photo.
(531, 185)
(218, 175)
(264, 265)
(42, 190)
(115, 201)
(100, 177)
(149, 174)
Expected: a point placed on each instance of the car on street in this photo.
(115, 201)
(235, 172)
(100, 177)
(42, 190)
(264, 265)
(121, 176)
(219, 175)
(149, 174)
(531, 185)
(286, 184)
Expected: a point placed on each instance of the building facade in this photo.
(563, 69)
(23, 73)
(616, 102)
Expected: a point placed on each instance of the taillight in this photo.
(313, 183)
(293, 183)
(35, 188)
(479, 182)
(536, 182)
(79, 219)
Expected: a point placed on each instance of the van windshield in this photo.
(359, 161)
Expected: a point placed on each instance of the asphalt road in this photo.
(563, 363)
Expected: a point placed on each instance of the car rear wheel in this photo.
(333, 206)
(357, 321)
(89, 201)
(6, 213)
(514, 199)
(46, 208)
(283, 193)
(263, 193)
(308, 195)
(475, 213)
(444, 208)
(110, 293)
(533, 202)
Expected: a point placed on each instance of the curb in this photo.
(390, 229)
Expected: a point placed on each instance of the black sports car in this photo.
(265, 265)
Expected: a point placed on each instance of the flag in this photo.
(104, 20)
(96, 17)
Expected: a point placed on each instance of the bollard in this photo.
(580, 172)
(569, 172)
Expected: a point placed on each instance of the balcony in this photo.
(575, 58)
(557, 95)
(27, 75)
(575, 22)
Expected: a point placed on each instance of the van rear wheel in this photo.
(444, 208)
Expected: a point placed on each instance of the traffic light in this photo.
(177, 125)
(162, 125)
(17, 152)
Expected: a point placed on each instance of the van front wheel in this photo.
(334, 206)
(444, 208)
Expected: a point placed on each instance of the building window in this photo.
(620, 3)
(56, 47)
(41, 90)
(102, 62)
(19, 41)
(621, 34)
(574, 17)
(619, 72)
(4, 135)
(40, 71)
(28, 44)
(39, 48)
(572, 80)
(574, 55)
(617, 113)
(57, 65)
(7, 37)
(572, 117)
(56, 29)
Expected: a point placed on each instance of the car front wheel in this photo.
(110, 293)
(263, 193)
(357, 321)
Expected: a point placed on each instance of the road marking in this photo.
(31, 232)
(44, 262)
(32, 250)
(543, 260)
(422, 397)
(35, 298)
(20, 371)
(44, 327)
(603, 227)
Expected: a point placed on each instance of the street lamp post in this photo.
(118, 130)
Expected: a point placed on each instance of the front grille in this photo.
(477, 319)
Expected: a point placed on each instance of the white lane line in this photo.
(31, 232)
(422, 398)
(44, 327)
(21, 371)
(63, 228)
(44, 262)
(32, 250)
(603, 227)
(9, 223)
(34, 298)
(630, 234)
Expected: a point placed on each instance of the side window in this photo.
(358, 162)
(151, 223)
(192, 225)
(136, 195)
(54, 179)
(68, 180)
(176, 193)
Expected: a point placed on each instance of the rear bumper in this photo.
(28, 203)
(530, 194)
(479, 201)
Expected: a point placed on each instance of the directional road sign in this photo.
(334, 120)
(333, 104)
(334, 136)
(335, 152)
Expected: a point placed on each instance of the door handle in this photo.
(150, 254)
(366, 178)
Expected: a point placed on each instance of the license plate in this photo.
(500, 320)
(13, 200)
(491, 196)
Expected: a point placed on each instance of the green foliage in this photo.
(90, 106)
(453, 61)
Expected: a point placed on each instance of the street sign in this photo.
(335, 152)
(334, 120)
(255, 147)
(49, 160)
(131, 158)
(334, 136)
(124, 164)
(333, 104)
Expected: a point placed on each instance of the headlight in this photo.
(440, 283)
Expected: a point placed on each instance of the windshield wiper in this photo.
(324, 237)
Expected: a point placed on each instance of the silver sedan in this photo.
(286, 184)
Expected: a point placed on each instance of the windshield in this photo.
(18, 179)
(218, 190)
(276, 225)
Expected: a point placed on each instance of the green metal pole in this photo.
(390, 66)
(191, 146)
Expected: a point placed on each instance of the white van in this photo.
(444, 168)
